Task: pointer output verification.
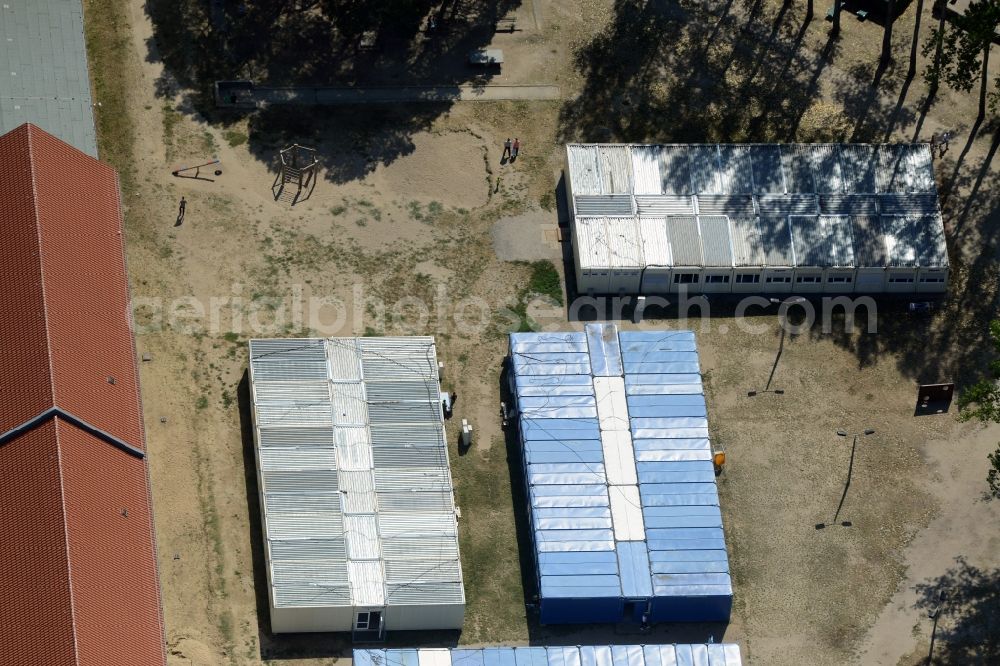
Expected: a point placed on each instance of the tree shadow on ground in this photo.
(346, 43)
(953, 344)
(702, 73)
(967, 601)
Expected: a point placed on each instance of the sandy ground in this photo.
(444, 215)
(965, 527)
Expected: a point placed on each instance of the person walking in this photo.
(516, 149)
(180, 212)
(944, 140)
(506, 150)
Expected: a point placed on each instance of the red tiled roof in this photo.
(78, 577)
(65, 318)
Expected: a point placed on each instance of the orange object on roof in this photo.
(78, 576)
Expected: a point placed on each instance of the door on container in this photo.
(655, 281)
(369, 625)
(636, 610)
(870, 282)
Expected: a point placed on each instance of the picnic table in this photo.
(486, 57)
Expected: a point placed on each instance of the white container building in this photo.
(755, 218)
(356, 497)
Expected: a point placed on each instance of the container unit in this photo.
(903, 254)
(824, 254)
(779, 254)
(764, 186)
(657, 273)
(625, 522)
(355, 487)
(625, 254)
(748, 255)
(685, 249)
(870, 254)
(592, 255)
(710, 654)
(680, 504)
(717, 253)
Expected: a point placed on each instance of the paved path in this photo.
(465, 93)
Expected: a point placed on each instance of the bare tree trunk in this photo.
(942, 14)
(890, 11)
(985, 83)
(916, 41)
(835, 30)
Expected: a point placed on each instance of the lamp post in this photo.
(781, 347)
(847, 483)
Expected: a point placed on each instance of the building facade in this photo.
(756, 218)
(360, 530)
(623, 504)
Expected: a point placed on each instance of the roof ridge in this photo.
(69, 560)
(29, 133)
(77, 422)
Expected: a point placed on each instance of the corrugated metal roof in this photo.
(625, 483)
(646, 167)
(624, 244)
(769, 182)
(704, 161)
(675, 170)
(869, 241)
(822, 242)
(913, 241)
(664, 204)
(655, 241)
(592, 242)
(735, 170)
(748, 243)
(701, 654)
(584, 174)
(685, 243)
(715, 240)
(367, 494)
(604, 204)
(776, 238)
(616, 169)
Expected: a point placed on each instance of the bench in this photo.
(506, 24)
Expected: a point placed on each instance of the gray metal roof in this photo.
(43, 70)
(911, 241)
(823, 240)
(715, 241)
(705, 654)
(685, 243)
(748, 244)
(355, 478)
(762, 185)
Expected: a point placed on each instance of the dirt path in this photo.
(387, 95)
(966, 526)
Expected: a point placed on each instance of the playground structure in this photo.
(297, 164)
(184, 171)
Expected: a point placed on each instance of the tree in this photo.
(835, 30)
(981, 402)
(890, 17)
(962, 52)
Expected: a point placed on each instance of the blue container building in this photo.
(623, 503)
(714, 654)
